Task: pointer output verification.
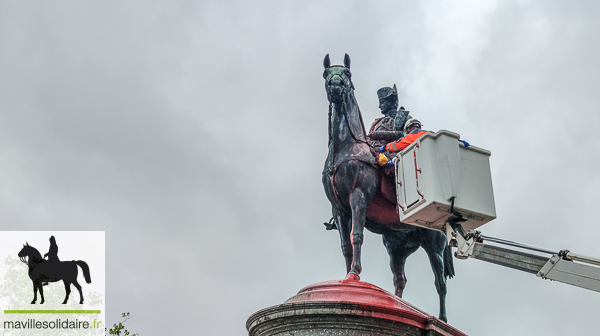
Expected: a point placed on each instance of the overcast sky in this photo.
(194, 134)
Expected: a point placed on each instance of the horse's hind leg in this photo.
(41, 288)
(78, 286)
(67, 290)
(437, 264)
(435, 250)
(398, 250)
(344, 227)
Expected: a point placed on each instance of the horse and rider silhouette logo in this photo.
(42, 271)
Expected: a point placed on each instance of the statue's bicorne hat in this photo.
(385, 92)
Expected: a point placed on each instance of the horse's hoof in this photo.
(352, 276)
(32, 302)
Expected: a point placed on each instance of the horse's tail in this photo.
(86, 270)
(448, 262)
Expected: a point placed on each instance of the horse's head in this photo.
(29, 251)
(338, 79)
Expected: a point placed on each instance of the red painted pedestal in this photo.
(345, 307)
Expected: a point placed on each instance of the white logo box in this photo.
(16, 287)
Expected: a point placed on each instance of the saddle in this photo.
(387, 185)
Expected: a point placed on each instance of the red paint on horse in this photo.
(383, 211)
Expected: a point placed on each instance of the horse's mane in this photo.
(34, 254)
(355, 121)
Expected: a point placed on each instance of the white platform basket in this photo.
(436, 168)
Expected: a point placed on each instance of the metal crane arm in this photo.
(563, 266)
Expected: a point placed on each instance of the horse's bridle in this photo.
(346, 89)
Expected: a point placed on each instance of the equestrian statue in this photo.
(353, 184)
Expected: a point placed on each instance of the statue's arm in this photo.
(386, 135)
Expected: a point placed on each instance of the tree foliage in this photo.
(119, 329)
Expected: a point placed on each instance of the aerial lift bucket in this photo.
(438, 176)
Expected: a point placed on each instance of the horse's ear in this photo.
(347, 61)
(395, 90)
(326, 62)
(27, 243)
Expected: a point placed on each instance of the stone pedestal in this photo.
(345, 308)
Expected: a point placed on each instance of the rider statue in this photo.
(390, 127)
(386, 129)
(53, 251)
(52, 254)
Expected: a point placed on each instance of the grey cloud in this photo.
(194, 134)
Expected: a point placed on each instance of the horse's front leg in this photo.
(358, 205)
(34, 293)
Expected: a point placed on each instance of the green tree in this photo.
(119, 329)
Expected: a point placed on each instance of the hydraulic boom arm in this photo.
(563, 266)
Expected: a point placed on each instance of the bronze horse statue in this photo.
(351, 179)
